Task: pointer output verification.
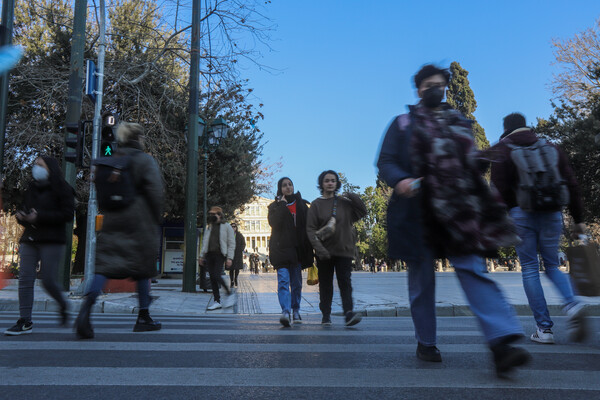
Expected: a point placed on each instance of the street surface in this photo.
(253, 357)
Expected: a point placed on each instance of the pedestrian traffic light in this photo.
(109, 144)
(74, 143)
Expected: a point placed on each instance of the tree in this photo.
(372, 229)
(461, 97)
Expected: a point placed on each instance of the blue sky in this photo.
(347, 66)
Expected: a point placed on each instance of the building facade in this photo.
(254, 225)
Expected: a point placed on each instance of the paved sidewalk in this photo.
(380, 294)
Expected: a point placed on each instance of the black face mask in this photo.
(432, 97)
(211, 219)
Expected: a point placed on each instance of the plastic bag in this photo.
(313, 276)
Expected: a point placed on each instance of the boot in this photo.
(144, 323)
(83, 327)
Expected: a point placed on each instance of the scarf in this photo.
(462, 213)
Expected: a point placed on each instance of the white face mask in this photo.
(40, 173)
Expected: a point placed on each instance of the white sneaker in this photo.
(216, 305)
(543, 336)
(229, 300)
(576, 328)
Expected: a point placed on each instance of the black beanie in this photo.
(279, 183)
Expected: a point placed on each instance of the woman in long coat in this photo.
(238, 257)
(127, 244)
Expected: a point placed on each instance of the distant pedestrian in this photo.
(329, 228)
(128, 242)
(218, 248)
(238, 263)
(289, 248)
(49, 203)
(442, 207)
(540, 229)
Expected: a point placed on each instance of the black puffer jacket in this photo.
(289, 244)
(54, 202)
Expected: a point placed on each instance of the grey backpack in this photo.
(540, 186)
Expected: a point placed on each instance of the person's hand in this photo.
(323, 255)
(408, 187)
(31, 217)
(579, 229)
(228, 263)
(201, 261)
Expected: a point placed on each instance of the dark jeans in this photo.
(48, 255)
(343, 268)
(233, 276)
(214, 263)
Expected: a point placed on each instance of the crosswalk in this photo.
(241, 356)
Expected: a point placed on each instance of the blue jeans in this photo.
(143, 289)
(540, 231)
(496, 317)
(289, 288)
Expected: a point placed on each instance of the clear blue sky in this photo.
(347, 66)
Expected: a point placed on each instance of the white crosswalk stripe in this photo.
(208, 356)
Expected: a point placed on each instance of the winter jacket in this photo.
(226, 241)
(505, 175)
(289, 245)
(238, 257)
(128, 244)
(350, 208)
(54, 202)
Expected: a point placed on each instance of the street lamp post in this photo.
(211, 135)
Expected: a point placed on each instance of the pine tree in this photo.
(461, 97)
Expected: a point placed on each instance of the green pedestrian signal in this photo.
(107, 149)
(108, 145)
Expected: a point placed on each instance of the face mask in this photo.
(40, 173)
(432, 97)
(211, 219)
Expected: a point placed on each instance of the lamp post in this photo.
(209, 135)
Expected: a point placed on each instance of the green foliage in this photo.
(461, 97)
(372, 230)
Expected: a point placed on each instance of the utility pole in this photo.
(73, 116)
(8, 11)
(191, 196)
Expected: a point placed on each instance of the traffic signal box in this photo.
(109, 130)
(74, 143)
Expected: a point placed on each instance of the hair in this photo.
(430, 70)
(57, 181)
(128, 132)
(217, 210)
(513, 121)
(280, 183)
(322, 177)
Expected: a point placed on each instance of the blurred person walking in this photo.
(289, 248)
(128, 242)
(49, 203)
(442, 207)
(238, 257)
(218, 249)
(540, 229)
(331, 233)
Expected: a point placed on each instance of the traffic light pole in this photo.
(8, 8)
(90, 244)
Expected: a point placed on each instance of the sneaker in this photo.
(22, 327)
(285, 319)
(576, 324)
(352, 318)
(428, 353)
(297, 317)
(214, 306)
(229, 300)
(146, 324)
(543, 336)
(326, 321)
(507, 357)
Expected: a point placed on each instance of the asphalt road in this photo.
(253, 357)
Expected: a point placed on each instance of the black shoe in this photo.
(83, 327)
(64, 316)
(285, 319)
(428, 353)
(146, 324)
(507, 357)
(22, 327)
(326, 321)
(297, 318)
(352, 318)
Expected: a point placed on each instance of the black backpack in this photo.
(113, 178)
(540, 185)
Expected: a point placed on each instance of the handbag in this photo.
(313, 276)
(584, 265)
(327, 231)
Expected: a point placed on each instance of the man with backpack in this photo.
(536, 182)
